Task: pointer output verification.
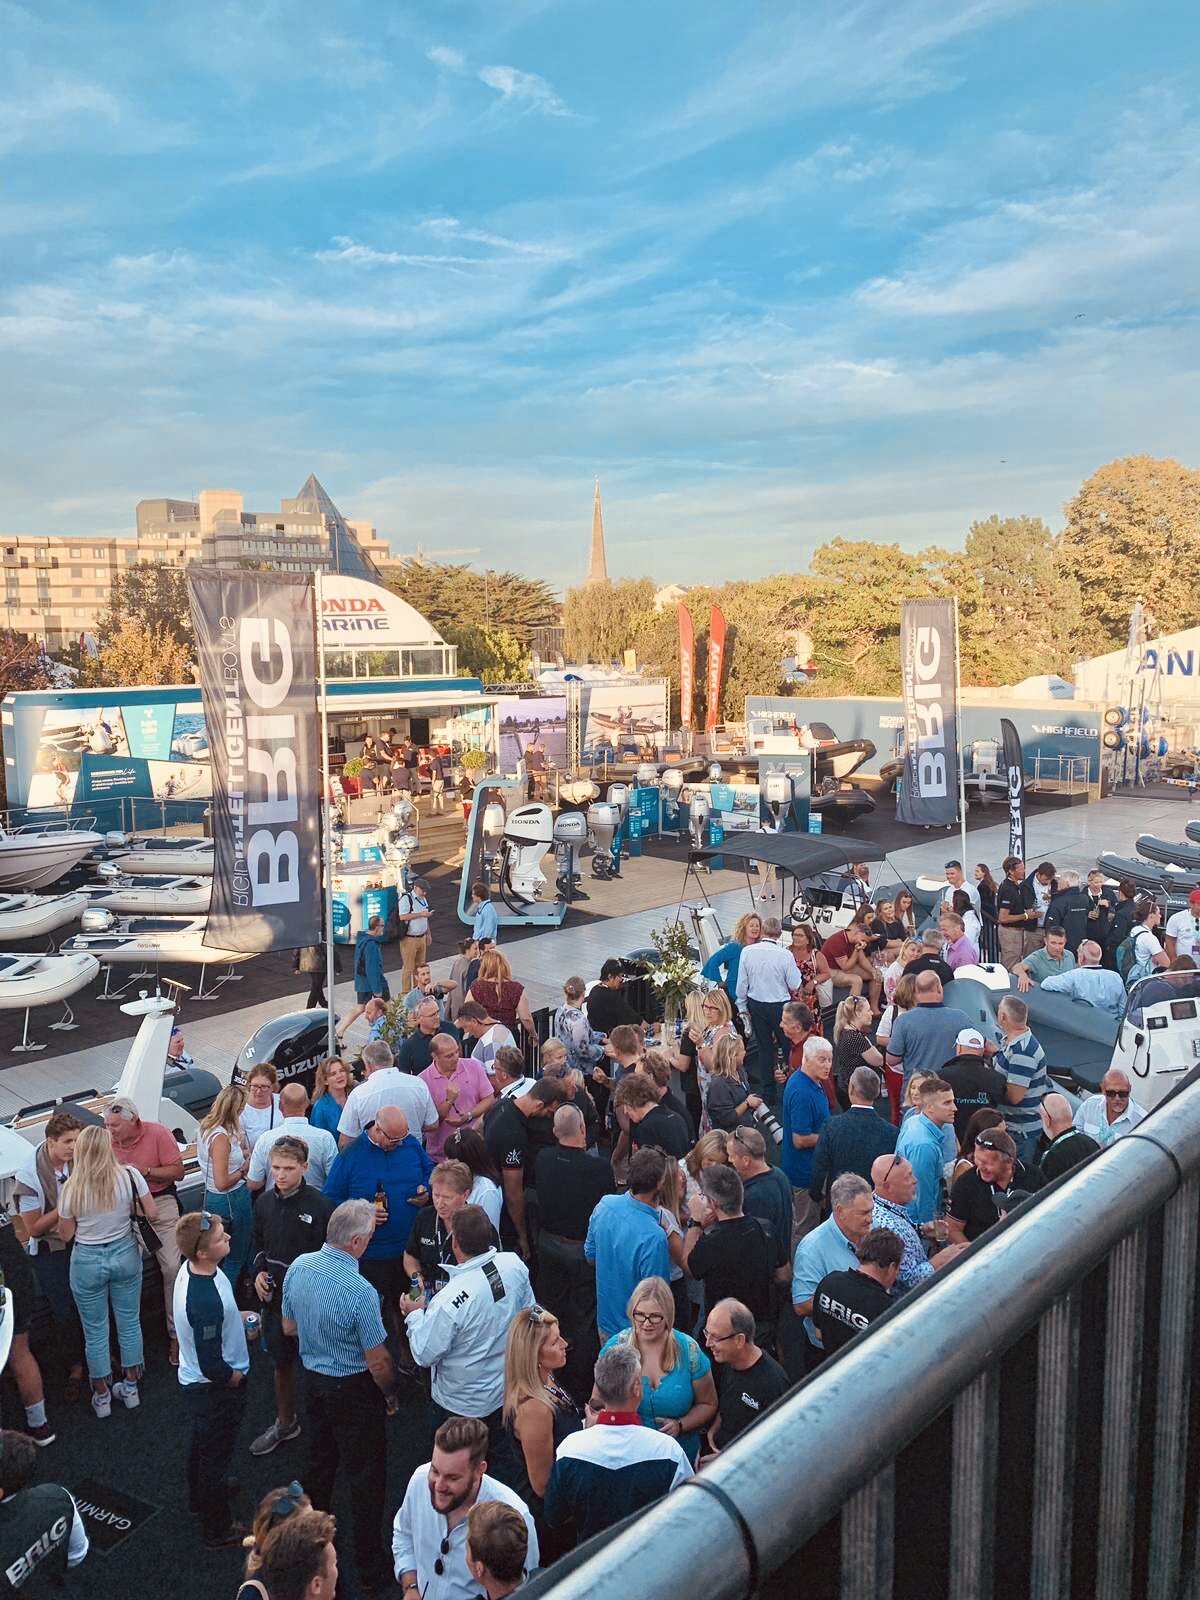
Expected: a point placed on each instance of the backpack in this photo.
(360, 964)
(1130, 967)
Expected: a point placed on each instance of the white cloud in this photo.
(442, 55)
(523, 88)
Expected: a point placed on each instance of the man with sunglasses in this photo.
(1106, 1116)
(895, 1185)
(973, 1200)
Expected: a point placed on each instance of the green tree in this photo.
(1134, 529)
(600, 619)
(1020, 613)
(135, 655)
(150, 597)
(492, 654)
(20, 668)
(444, 594)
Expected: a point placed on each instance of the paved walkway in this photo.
(1071, 837)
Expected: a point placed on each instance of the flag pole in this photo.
(326, 829)
(958, 732)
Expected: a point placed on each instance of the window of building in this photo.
(77, 594)
(100, 572)
(101, 593)
(24, 561)
(75, 554)
(98, 551)
(77, 572)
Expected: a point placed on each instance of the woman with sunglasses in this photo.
(331, 1090)
(679, 1396)
(274, 1508)
(986, 1120)
(538, 1415)
(213, 1363)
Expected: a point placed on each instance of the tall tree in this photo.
(1134, 529)
(1020, 612)
(446, 593)
(150, 597)
(134, 656)
(600, 618)
(492, 654)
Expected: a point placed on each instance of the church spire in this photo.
(597, 567)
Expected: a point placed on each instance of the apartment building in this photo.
(55, 589)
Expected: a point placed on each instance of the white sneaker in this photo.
(128, 1394)
(102, 1402)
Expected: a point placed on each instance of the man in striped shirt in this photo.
(1021, 1061)
(350, 1383)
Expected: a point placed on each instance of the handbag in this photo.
(143, 1228)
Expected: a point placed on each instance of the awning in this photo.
(803, 855)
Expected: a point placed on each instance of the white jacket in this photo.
(462, 1333)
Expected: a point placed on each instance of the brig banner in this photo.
(1014, 762)
(256, 645)
(927, 794)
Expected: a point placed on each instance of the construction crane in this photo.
(421, 556)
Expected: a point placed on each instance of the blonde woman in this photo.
(95, 1215)
(909, 951)
(710, 1149)
(501, 996)
(729, 1103)
(691, 1036)
(538, 1414)
(904, 998)
(722, 966)
(852, 1045)
(224, 1155)
(678, 1393)
(573, 1030)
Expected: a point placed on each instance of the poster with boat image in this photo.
(524, 719)
(70, 741)
(623, 720)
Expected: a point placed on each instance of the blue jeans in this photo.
(236, 1210)
(104, 1274)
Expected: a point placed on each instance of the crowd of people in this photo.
(596, 1274)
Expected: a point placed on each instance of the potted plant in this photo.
(474, 764)
(675, 975)
(352, 777)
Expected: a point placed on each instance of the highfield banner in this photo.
(927, 794)
(256, 646)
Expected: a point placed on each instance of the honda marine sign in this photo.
(256, 646)
(927, 792)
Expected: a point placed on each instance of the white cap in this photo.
(969, 1039)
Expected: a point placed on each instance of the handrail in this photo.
(753, 1508)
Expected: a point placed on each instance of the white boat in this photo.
(146, 895)
(145, 943)
(182, 855)
(29, 916)
(36, 855)
(41, 980)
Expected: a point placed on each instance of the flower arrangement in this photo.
(676, 974)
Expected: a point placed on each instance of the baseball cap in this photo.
(996, 1139)
(1007, 1200)
(1194, 896)
(969, 1039)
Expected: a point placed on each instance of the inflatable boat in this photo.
(841, 805)
(42, 980)
(182, 855)
(148, 895)
(1172, 882)
(36, 856)
(1184, 856)
(145, 943)
(31, 916)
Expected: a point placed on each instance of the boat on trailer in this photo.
(146, 943)
(28, 981)
(184, 855)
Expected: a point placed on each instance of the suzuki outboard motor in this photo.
(672, 783)
(602, 821)
(698, 812)
(570, 835)
(618, 798)
(528, 835)
(777, 793)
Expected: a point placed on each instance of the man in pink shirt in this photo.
(151, 1148)
(460, 1090)
(959, 951)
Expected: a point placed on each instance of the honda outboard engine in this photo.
(528, 835)
(570, 835)
(96, 920)
(602, 821)
(698, 813)
(672, 783)
(618, 799)
(777, 793)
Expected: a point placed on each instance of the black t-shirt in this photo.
(1017, 899)
(415, 1054)
(844, 1303)
(973, 1202)
(506, 1134)
(734, 1258)
(570, 1185)
(929, 964)
(429, 1241)
(671, 1102)
(663, 1130)
(744, 1396)
(1063, 1153)
(768, 1196)
(890, 930)
(975, 1085)
(848, 1054)
(608, 1009)
(35, 1537)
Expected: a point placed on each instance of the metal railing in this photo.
(1073, 772)
(1026, 1424)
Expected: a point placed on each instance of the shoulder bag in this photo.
(143, 1228)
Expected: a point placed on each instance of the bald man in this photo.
(387, 1166)
(1064, 1145)
(321, 1144)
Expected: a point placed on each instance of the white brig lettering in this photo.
(932, 771)
(272, 852)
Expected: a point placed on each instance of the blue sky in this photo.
(775, 273)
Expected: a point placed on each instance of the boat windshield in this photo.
(1182, 989)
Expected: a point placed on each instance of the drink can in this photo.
(252, 1323)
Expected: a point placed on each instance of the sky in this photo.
(773, 273)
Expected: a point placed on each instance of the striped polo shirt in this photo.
(336, 1312)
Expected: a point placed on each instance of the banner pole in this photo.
(958, 729)
(326, 829)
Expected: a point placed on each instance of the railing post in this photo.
(868, 1539)
(1121, 1389)
(1054, 1450)
(1175, 1331)
(973, 1488)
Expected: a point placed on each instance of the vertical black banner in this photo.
(1014, 762)
(256, 644)
(928, 792)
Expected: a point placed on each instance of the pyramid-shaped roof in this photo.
(347, 555)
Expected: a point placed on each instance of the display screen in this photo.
(1183, 1010)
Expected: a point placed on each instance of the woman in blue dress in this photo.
(679, 1396)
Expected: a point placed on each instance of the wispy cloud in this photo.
(523, 89)
(443, 55)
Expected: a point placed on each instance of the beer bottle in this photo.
(381, 1204)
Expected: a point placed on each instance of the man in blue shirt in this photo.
(387, 1166)
(1022, 1061)
(1090, 982)
(924, 1039)
(833, 1247)
(805, 1113)
(484, 923)
(920, 1143)
(627, 1241)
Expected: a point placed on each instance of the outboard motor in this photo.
(528, 835)
(698, 814)
(618, 799)
(491, 831)
(647, 775)
(96, 920)
(672, 783)
(570, 835)
(709, 937)
(602, 821)
(777, 793)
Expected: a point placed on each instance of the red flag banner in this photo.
(687, 666)
(716, 665)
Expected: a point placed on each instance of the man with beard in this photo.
(429, 1536)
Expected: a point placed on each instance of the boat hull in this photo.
(41, 980)
(34, 860)
(29, 916)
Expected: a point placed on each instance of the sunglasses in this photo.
(288, 1502)
(539, 1314)
(439, 1566)
(206, 1221)
(989, 1144)
(1116, 1094)
(718, 1338)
